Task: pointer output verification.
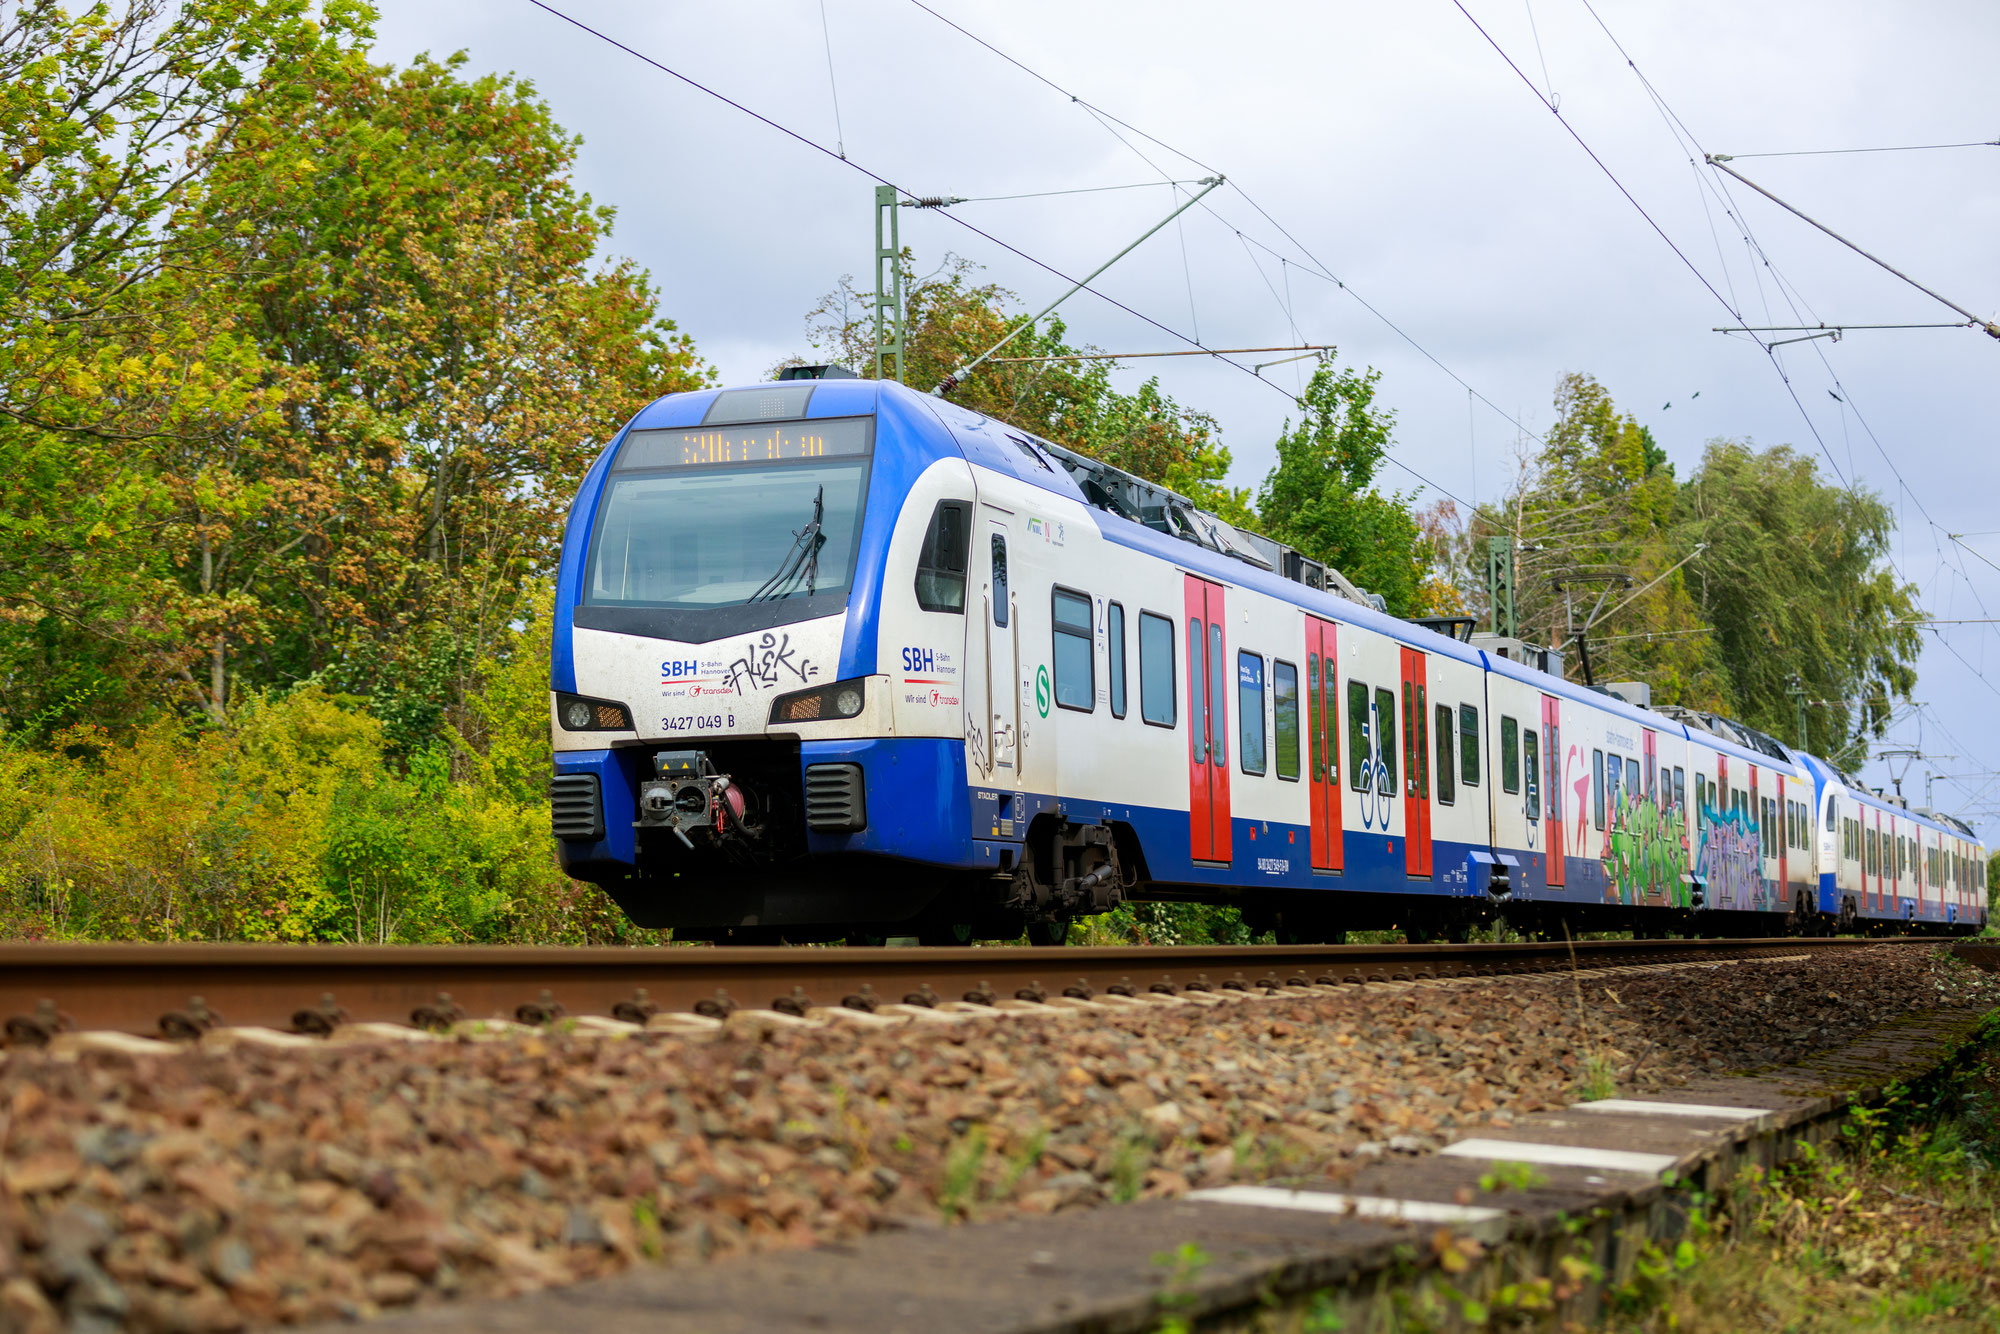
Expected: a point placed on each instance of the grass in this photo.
(1894, 1227)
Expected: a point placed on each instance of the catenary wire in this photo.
(1010, 248)
(1894, 148)
(1317, 268)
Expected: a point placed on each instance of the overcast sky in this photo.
(1407, 159)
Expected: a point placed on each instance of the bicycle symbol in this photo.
(1378, 789)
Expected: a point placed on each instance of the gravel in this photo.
(243, 1187)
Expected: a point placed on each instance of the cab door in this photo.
(1208, 718)
(1552, 788)
(1416, 767)
(1323, 732)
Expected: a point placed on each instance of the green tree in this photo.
(117, 363)
(1321, 497)
(949, 319)
(1592, 516)
(1794, 578)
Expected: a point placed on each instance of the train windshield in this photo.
(702, 519)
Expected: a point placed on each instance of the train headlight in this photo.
(842, 699)
(577, 714)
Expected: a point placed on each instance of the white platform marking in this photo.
(1561, 1155)
(1363, 1206)
(1643, 1108)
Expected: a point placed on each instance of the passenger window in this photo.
(1680, 788)
(1632, 789)
(1156, 669)
(941, 563)
(1510, 754)
(1447, 788)
(1597, 788)
(1218, 693)
(1468, 745)
(1285, 718)
(1198, 707)
(1114, 634)
(1420, 748)
(1357, 734)
(1385, 713)
(1075, 663)
(1531, 764)
(1250, 711)
(999, 579)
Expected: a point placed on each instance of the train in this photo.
(835, 659)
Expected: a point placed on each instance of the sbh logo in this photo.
(674, 667)
(919, 660)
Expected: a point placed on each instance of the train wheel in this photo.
(1049, 931)
(869, 939)
(946, 933)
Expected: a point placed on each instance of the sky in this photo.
(1395, 189)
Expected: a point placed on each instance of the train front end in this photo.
(728, 755)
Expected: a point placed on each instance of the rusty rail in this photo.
(152, 989)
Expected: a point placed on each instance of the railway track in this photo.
(180, 991)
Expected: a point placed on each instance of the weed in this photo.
(1184, 1265)
(1130, 1157)
(1511, 1176)
(962, 1164)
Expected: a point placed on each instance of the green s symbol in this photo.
(1042, 690)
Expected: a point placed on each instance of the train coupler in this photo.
(690, 798)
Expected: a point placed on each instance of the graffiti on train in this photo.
(1731, 861)
(1645, 852)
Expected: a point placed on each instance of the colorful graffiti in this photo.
(1645, 852)
(1731, 860)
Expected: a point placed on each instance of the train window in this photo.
(1632, 789)
(1614, 779)
(1074, 659)
(1446, 787)
(1680, 788)
(1385, 766)
(1285, 718)
(1597, 788)
(941, 563)
(1114, 633)
(1250, 711)
(1419, 744)
(1468, 745)
(1768, 841)
(1510, 754)
(1218, 689)
(1830, 817)
(1531, 765)
(999, 579)
(1198, 702)
(1357, 734)
(1156, 669)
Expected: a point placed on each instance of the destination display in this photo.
(750, 442)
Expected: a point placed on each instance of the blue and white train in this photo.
(833, 658)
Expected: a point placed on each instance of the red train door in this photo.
(1323, 733)
(1784, 842)
(1552, 809)
(1416, 766)
(1209, 675)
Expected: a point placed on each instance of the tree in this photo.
(1591, 517)
(950, 320)
(1321, 500)
(116, 362)
(1794, 579)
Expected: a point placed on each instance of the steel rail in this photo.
(131, 987)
